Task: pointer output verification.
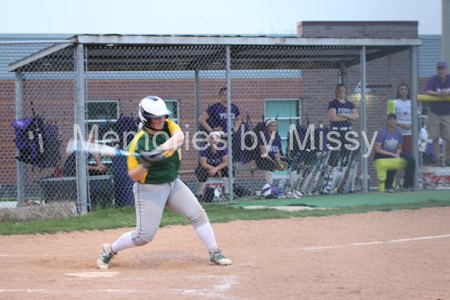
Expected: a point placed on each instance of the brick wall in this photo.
(371, 29)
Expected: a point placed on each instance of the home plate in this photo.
(93, 274)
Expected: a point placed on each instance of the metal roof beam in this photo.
(241, 40)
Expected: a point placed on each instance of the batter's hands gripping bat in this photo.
(147, 158)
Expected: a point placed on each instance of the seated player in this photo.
(389, 157)
(213, 163)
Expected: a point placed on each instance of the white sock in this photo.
(199, 188)
(292, 176)
(206, 234)
(269, 177)
(122, 243)
(226, 185)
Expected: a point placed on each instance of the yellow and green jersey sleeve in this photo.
(161, 171)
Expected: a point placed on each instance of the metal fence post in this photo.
(197, 108)
(229, 129)
(19, 115)
(415, 125)
(364, 168)
(80, 120)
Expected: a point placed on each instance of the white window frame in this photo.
(177, 101)
(285, 118)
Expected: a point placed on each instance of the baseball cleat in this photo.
(105, 256)
(216, 257)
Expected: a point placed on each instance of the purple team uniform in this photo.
(218, 116)
(214, 159)
(389, 140)
(435, 84)
(274, 147)
(341, 108)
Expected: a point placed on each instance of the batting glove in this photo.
(147, 158)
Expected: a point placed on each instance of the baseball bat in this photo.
(93, 148)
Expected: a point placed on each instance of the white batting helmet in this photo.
(152, 107)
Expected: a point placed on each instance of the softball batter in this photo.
(157, 185)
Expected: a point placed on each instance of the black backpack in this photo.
(38, 142)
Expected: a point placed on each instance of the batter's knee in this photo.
(142, 240)
(199, 218)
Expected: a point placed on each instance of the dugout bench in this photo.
(65, 189)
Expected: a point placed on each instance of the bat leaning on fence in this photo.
(316, 187)
(319, 159)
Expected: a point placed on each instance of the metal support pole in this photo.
(445, 46)
(229, 129)
(19, 115)
(197, 108)
(413, 54)
(80, 120)
(343, 74)
(365, 188)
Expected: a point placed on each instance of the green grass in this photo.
(218, 213)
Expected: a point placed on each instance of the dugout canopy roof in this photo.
(114, 52)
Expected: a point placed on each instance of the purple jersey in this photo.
(341, 108)
(218, 115)
(435, 84)
(275, 145)
(389, 140)
(214, 158)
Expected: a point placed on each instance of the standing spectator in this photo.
(439, 112)
(215, 119)
(341, 112)
(213, 162)
(269, 146)
(401, 107)
(388, 151)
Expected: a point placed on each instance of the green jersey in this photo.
(161, 171)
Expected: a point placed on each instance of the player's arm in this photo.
(399, 150)
(224, 162)
(406, 126)
(238, 123)
(137, 173)
(442, 93)
(100, 167)
(334, 117)
(278, 155)
(431, 93)
(204, 164)
(175, 141)
(202, 121)
(353, 116)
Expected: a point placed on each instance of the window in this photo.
(173, 106)
(102, 113)
(287, 111)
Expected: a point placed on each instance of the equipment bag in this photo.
(38, 142)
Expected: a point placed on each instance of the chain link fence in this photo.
(291, 87)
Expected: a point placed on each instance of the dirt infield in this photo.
(379, 255)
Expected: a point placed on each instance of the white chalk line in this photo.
(217, 290)
(375, 243)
